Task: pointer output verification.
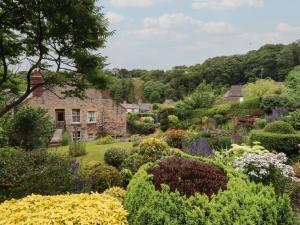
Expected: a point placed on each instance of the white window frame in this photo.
(89, 117)
(77, 116)
(91, 136)
(75, 136)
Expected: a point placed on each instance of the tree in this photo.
(293, 83)
(262, 87)
(59, 36)
(31, 128)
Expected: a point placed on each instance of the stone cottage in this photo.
(83, 119)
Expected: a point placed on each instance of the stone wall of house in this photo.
(114, 115)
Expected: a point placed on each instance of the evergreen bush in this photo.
(243, 202)
(279, 127)
(116, 156)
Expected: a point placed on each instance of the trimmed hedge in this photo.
(279, 127)
(64, 209)
(243, 202)
(287, 143)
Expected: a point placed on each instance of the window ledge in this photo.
(91, 122)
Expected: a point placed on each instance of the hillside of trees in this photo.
(273, 61)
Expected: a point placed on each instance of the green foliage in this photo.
(279, 127)
(294, 119)
(154, 91)
(149, 150)
(287, 143)
(120, 89)
(260, 123)
(177, 138)
(56, 34)
(116, 156)
(116, 192)
(243, 202)
(293, 82)
(204, 96)
(103, 177)
(106, 140)
(222, 142)
(139, 127)
(31, 128)
(262, 87)
(251, 103)
(173, 121)
(126, 176)
(77, 148)
(163, 114)
(277, 101)
(65, 140)
(23, 173)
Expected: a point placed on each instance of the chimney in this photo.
(36, 78)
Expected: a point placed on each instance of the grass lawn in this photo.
(94, 152)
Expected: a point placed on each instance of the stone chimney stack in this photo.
(36, 78)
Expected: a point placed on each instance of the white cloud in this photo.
(114, 17)
(179, 20)
(135, 3)
(218, 27)
(172, 20)
(287, 28)
(225, 4)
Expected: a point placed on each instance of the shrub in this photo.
(23, 173)
(222, 109)
(65, 209)
(152, 149)
(106, 140)
(173, 121)
(31, 128)
(116, 192)
(222, 142)
(260, 123)
(279, 127)
(141, 127)
(116, 156)
(276, 101)
(188, 176)
(163, 114)
(220, 119)
(149, 150)
(103, 177)
(252, 103)
(65, 140)
(294, 119)
(77, 148)
(177, 138)
(243, 202)
(267, 168)
(126, 176)
(287, 143)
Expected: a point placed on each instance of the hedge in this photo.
(243, 202)
(287, 143)
(64, 209)
(279, 127)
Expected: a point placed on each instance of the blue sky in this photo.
(160, 34)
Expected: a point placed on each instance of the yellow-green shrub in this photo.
(116, 192)
(64, 209)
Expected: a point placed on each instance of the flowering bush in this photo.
(177, 138)
(267, 168)
(64, 209)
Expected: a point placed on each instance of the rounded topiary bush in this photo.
(242, 202)
(279, 127)
(116, 192)
(103, 177)
(188, 176)
(65, 209)
(116, 156)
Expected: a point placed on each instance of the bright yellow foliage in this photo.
(116, 192)
(70, 209)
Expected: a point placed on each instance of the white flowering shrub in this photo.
(267, 168)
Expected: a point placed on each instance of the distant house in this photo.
(83, 119)
(235, 94)
(131, 108)
(141, 107)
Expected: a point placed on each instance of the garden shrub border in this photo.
(287, 143)
(243, 202)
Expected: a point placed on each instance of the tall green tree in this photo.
(62, 37)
